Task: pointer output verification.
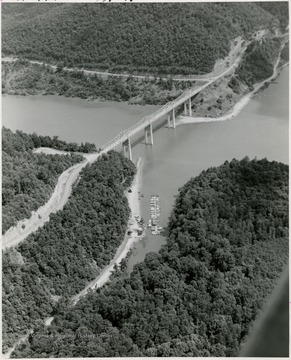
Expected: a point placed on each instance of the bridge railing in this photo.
(165, 109)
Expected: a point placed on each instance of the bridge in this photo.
(146, 124)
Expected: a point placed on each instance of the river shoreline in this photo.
(237, 107)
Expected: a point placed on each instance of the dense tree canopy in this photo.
(258, 61)
(227, 246)
(285, 53)
(28, 179)
(68, 251)
(279, 9)
(168, 38)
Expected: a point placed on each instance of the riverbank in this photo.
(131, 237)
(238, 107)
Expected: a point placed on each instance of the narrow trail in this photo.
(10, 350)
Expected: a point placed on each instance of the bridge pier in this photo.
(127, 149)
(189, 112)
(149, 138)
(190, 107)
(173, 120)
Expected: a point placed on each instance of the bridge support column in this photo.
(190, 107)
(127, 149)
(174, 119)
(149, 138)
(185, 108)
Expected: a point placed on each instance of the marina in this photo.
(155, 215)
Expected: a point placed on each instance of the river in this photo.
(71, 119)
(260, 130)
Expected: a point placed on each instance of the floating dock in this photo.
(155, 215)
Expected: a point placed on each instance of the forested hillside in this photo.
(258, 61)
(162, 38)
(70, 250)
(279, 9)
(227, 246)
(28, 179)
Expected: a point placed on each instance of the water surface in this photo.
(71, 119)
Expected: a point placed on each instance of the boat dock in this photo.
(155, 215)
